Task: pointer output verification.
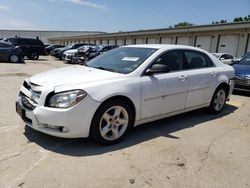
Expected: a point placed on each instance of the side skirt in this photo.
(155, 118)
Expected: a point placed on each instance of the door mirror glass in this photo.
(157, 68)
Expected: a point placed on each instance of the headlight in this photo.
(66, 99)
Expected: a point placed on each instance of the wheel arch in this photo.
(117, 97)
(222, 85)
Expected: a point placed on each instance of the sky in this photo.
(115, 15)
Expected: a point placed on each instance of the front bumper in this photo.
(78, 60)
(73, 122)
(242, 83)
(67, 57)
(231, 88)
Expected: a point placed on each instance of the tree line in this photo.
(237, 19)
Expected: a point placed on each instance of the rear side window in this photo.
(227, 56)
(172, 59)
(196, 60)
(24, 42)
(11, 40)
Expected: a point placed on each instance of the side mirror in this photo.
(233, 62)
(222, 58)
(156, 69)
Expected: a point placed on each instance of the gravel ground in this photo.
(189, 150)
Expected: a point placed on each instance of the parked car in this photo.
(55, 51)
(68, 55)
(85, 53)
(10, 53)
(242, 74)
(74, 46)
(237, 60)
(52, 47)
(31, 48)
(89, 52)
(224, 57)
(106, 48)
(124, 87)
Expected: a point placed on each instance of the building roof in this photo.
(195, 28)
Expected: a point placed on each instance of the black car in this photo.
(55, 51)
(85, 53)
(49, 48)
(31, 48)
(74, 46)
(106, 48)
(242, 74)
(10, 53)
(89, 52)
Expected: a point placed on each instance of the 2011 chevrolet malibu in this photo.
(125, 87)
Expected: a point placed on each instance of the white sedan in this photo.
(224, 57)
(125, 87)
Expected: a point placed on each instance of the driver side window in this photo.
(172, 59)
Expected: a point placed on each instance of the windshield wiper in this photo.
(103, 68)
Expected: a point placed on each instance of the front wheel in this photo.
(218, 101)
(14, 58)
(111, 122)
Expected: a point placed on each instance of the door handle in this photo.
(214, 73)
(183, 77)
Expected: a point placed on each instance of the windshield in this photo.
(122, 60)
(246, 60)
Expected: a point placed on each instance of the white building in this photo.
(233, 38)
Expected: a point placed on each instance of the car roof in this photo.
(164, 46)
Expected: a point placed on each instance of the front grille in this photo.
(30, 100)
(69, 56)
(242, 82)
(27, 103)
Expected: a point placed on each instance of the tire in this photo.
(14, 58)
(33, 56)
(218, 101)
(111, 122)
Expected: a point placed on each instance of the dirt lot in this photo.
(190, 150)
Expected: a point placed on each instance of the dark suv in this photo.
(31, 48)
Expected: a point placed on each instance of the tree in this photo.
(247, 18)
(238, 19)
(183, 24)
(219, 22)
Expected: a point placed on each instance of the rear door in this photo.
(201, 74)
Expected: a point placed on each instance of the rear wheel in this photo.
(14, 58)
(111, 122)
(33, 56)
(218, 101)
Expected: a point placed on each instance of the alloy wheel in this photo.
(219, 100)
(114, 123)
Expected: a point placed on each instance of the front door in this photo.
(165, 92)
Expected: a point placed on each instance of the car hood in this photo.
(71, 51)
(242, 69)
(72, 75)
